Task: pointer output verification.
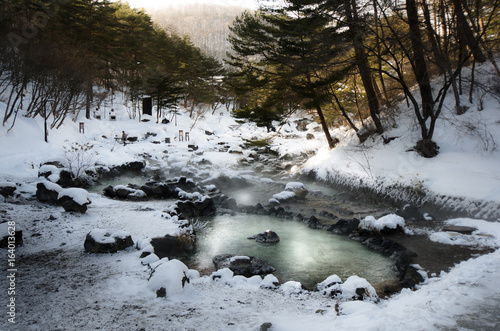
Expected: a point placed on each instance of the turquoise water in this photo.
(305, 255)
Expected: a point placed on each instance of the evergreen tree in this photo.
(293, 50)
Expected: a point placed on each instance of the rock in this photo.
(266, 327)
(7, 189)
(48, 192)
(268, 236)
(66, 179)
(192, 209)
(310, 136)
(109, 192)
(224, 182)
(285, 196)
(314, 223)
(411, 278)
(388, 224)
(459, 229)
(401, 255)
(410, 213)
(107, 241)
(247, 266)
(155, 190)
(10, 233)
(344, 226)
(169, 246)
(135, 166)
(169, 278)
(354, 288)
(330, 286)
(74, 199)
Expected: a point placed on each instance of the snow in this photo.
(487, 234)
(52, 186)
(390, 221)
(106, 236)
(285, 195)
(172, 276)
(113, 292)
(294, 185)
(291, 287)
(79, 195)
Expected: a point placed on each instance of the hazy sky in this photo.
(167, 3)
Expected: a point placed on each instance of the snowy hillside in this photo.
(62, 287)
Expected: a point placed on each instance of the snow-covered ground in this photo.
(58, 286)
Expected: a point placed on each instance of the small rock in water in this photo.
(268, 236)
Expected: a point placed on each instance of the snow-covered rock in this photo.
(170, 279)
(330, 286)
(48, 192)
(243, 265)
(292, 287)
(269, 282)
(354, 288)
(74, 199)
(298, 188)
(386, 223)
(107, 241)
(7, 188)
(151, 258)
(267, 236)
(357, 288)
(283, 196)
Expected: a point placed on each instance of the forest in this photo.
(348, 62)
(71, 55)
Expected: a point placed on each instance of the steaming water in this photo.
(305, 255)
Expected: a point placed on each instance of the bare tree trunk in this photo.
(331, 142)
(362, 64)
(465, 31)
(418, 62)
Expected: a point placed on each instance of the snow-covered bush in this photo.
(80, 158)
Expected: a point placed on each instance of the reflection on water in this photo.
(304, 255)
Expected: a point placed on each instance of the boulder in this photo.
(410, 213)
(10, 233)
(74, 199)
(169, 279)
(48, 192)
(169, 246)
(310, 136)
(107, 241)
(155, 190)
(354, 288)
(7, 189)
(459, 229)
(298, 188)
(387, 224)
(285, 196)
(314, 223)
(247, 266)
(192, 209)
(268, 236)
(344, 226)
